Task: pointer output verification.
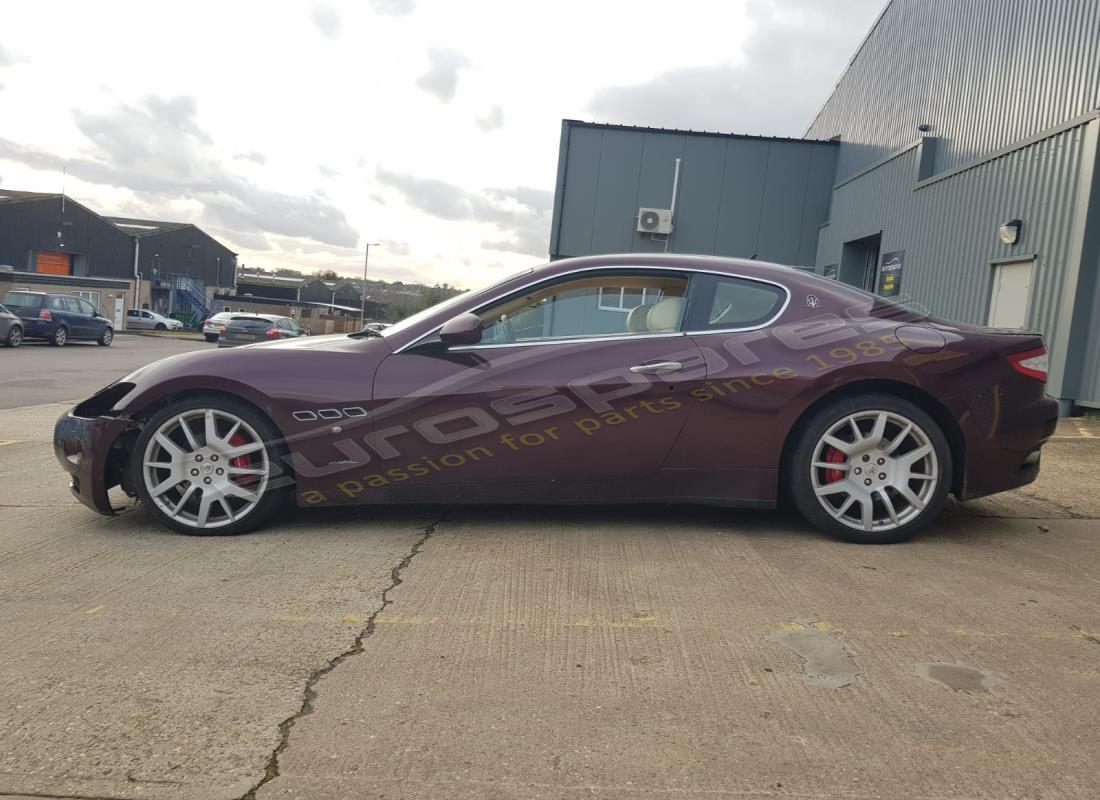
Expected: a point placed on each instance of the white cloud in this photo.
(792, 58)
(492, 120)
(191, 125)
(441, 79)
(393, 8)
(327, 20)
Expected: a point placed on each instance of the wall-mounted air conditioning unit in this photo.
(654, 220)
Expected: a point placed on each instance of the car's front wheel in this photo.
(15, 336)
(209, 466)
(873, 469)
(106, 337)
(160, 326)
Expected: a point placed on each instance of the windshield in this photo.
(453, 302)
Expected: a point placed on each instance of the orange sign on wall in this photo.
(54, 263)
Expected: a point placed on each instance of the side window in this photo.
(737, 303)
(284, 324)
(59, 304)
(133, 313)
(621, 305)
(85, 307)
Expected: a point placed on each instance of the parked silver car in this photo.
(11, 328)
(254, 328)
(142, 319)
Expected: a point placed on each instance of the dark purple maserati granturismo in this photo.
(625, 378)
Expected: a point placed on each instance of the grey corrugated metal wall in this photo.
(189, 251)
(102, 250)
(947, 226)
(984, 74)
(738, 196)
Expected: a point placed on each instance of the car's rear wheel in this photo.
(209, 466)
(60, 336)
(15, 336)
(107, 337)
(211, 337)
(873, 469)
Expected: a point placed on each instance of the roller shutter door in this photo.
(54, 263)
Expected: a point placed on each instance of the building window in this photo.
(621, 298)
(91, 297)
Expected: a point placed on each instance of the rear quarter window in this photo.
(18, 300)
(733, 303)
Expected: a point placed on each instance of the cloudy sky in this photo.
(296, 132)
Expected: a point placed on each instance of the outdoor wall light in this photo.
(1010, 231)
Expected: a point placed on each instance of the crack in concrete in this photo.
(309, 693)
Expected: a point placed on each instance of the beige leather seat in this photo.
(665, 315)
(636, 319)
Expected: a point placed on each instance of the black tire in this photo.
(274, 496)
(106, 337)
(60, 336)
(15, 336)
(211, 337)
(800, 469)
(160, 326)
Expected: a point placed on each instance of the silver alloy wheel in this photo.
(874, 471)
(59, 336)
(205, 468)
(15, 336)
(108, 335)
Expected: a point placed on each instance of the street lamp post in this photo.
(363, 293)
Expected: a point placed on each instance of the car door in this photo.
(90, 325)
(62, 315)
(584, 377)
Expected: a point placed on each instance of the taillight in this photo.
(1032, 363)
(205, 323)
(45, 316)
(272, 333)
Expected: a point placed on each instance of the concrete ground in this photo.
(38, 373)
(526, 652)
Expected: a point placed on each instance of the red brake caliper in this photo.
(834, 456)
(242, 462)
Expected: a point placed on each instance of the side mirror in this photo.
(463, 329)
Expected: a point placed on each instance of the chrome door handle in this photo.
(660, 368)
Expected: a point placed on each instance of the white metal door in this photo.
(120, 311)
(1008, 307)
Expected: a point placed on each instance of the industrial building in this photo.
(953, 164)
(50, 242)
(320, 305)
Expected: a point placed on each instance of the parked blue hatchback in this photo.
(59, 318)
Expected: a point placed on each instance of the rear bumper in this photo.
(83, 448)
(1003, 445)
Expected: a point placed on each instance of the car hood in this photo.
(288, 368)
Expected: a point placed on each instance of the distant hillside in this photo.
(400, 299)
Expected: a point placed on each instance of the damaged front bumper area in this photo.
(92, 447)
